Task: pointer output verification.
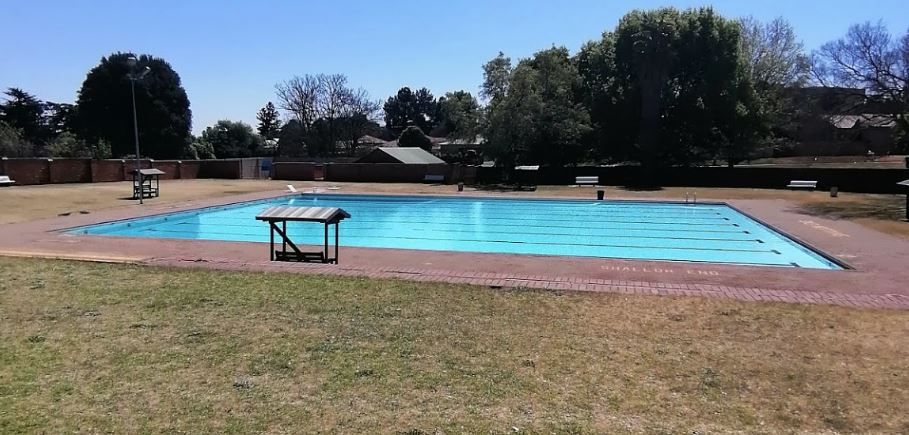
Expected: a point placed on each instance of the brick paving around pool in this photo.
(880, 278)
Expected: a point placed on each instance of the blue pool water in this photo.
(713, 233)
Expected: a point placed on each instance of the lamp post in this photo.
(132, 62)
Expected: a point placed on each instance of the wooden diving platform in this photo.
(278, 217)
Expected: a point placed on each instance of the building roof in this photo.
(410, 156)
(478, 140)
(864, 120)
(370, 140)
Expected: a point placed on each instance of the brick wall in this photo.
(301, 171)
(70, 171)
(170, 168)
(190, 169)
(230, 169)
(107, 170)
(27, 171)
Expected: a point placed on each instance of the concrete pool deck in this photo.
(877, 280)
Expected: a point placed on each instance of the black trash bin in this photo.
(601, 194)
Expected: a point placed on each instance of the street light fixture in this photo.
(133, 76)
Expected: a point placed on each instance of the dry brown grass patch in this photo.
(96, 347)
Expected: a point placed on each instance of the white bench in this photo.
(802, 184)
(588, 181)
(434, 178)
(5, 181)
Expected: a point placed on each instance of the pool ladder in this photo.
(691, 199)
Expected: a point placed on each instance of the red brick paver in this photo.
(507, 280)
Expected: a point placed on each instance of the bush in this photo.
(231, 139)
(200, 149)
(12, 144)
(413, 137)
(68, 145)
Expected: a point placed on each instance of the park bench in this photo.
(587, 180)
(429, 178)
(5, 181)
(802, 184)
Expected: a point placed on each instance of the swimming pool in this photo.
(712, 233)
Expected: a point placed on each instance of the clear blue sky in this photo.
(230, 53)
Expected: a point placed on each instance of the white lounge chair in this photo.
(291, 189)
(5, 181)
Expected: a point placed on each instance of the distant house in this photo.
(367, 140)
(408, 156)
(434, 140)
(457, 147)
(840, 121)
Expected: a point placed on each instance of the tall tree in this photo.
(269, 121)
(540, 119)
(869, 57)
(328, 112)
(407, 107)
(602, 92)
(773, 56)
(680, 71)
(292, 139)
(460, 115)
(104, 107)
(496, 74)
(773, 62)
(358, 118)
(25, 112)
(646, 53)
(400, 109)
(231, 139)
(59, 117)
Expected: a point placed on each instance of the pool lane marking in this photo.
(348, 234)
(357, 225)
(518, 222)
(515, 242)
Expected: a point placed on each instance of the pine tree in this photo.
(269, 122)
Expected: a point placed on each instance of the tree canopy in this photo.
(460, 115)
(231, 139)
(329, 114)
(269, 121)
(672, 84)
(539, 119)
(25, 112)
(413, 137)
(105, 107)
(870, 58)
(408, 108)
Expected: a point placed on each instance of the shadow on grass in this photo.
(892, 208)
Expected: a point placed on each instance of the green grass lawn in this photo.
(99, 347)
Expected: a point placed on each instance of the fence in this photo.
(51, 171)
(47, 171)
(865, 180)
(371, 172)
